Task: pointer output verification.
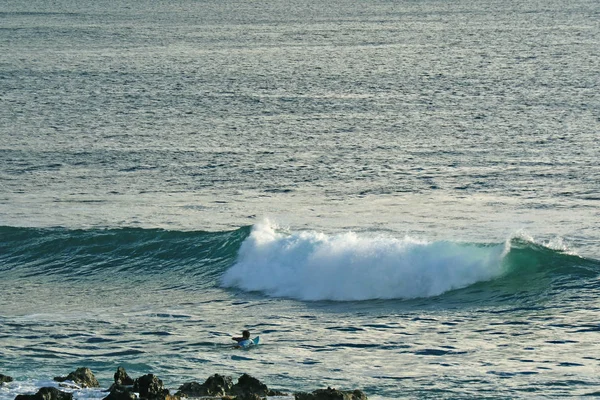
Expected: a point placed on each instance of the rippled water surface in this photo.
(401, 197)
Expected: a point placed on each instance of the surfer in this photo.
(244, 340)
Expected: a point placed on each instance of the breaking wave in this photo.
(352, 267)
(305, 265)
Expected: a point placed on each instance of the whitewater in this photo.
(346, 267)
(398, 197)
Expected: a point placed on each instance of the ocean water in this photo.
(397, 196)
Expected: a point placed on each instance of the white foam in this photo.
(9, 391)
(349, 266)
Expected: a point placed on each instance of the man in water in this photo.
(244, 340)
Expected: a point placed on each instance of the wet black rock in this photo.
(46, 393)
(82, 376)
(249, 396)
(246, 388)
(276, 393)
(191, 389)
(5, 379)
(150, 387)
(331, 394)
(120, 392)
(248, 385)
(216, 385)
(121, 377)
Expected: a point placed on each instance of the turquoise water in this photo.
(396, 317)
(400, 197)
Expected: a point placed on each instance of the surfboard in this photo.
(249, 343)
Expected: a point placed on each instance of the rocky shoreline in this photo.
(150, 387)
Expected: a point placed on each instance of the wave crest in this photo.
(349, 266)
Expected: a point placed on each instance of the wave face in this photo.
(307, 265)
(113, 254)
(352, 267)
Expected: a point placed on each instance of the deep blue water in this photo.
(401, 197)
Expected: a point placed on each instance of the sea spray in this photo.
(349, 266)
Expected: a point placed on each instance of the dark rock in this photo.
(248, 396)
(276, 393)
(46, 393)
(150, 387)
(248, 385)
(121, 377)
(116, 386)
(191, 389)
(82, 376)
(247, 388)
(359, 395)
(5, 379)
(216, 385)
(331, 394)
(120, 392)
